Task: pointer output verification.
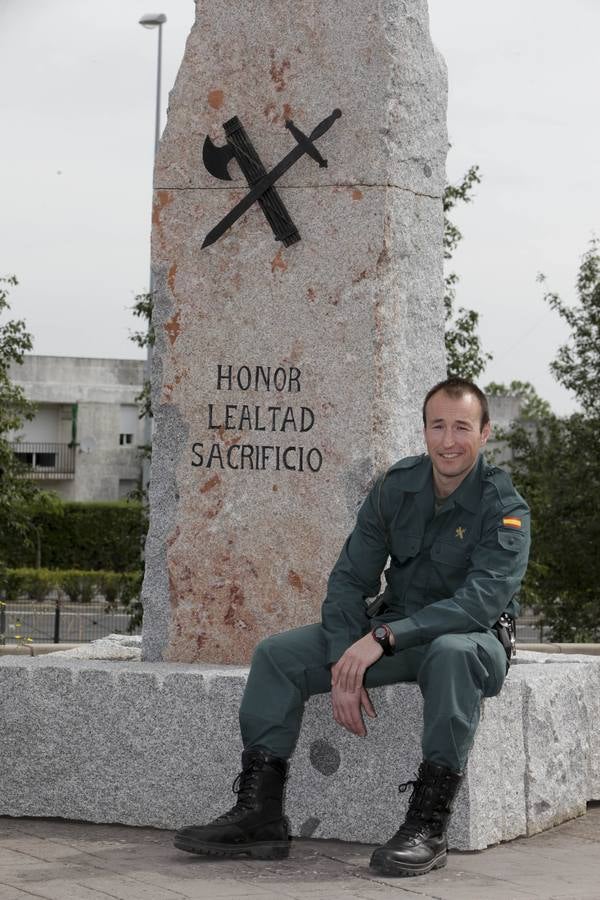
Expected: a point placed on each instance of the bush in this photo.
(89, 536)
(77, 585)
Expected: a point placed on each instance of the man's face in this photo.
(453, 436)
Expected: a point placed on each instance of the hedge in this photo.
(77, 585)
(90, 536)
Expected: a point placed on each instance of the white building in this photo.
(83, 442)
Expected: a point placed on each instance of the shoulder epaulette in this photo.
(501, 481)
(409, 462)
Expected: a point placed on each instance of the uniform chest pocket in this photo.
(450, 554)
(405, 546)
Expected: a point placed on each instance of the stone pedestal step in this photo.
(158, 744)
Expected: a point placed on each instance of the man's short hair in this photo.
(457, 387)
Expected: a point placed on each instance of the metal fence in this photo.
(24, 621)
(44, 460)
(530, 629)
(65, 622)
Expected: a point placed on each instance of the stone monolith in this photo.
(286, 374)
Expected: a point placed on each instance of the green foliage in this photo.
(464, 353)
(577, 366)
(142, 309)
(16, 491)
(94, 536)
(556, 466)
(77, 585)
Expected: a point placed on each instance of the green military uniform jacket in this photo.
(455, 570)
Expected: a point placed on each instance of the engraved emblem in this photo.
(261, 182)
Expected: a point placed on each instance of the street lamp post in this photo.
(152, 20)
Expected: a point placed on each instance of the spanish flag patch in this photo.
(512, 523)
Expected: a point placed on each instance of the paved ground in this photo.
(58, 860)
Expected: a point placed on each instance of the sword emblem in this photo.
(238, 146)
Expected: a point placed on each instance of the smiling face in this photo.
(454, 437)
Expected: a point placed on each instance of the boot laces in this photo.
(415, 825)
(424, 811)
(244, 786)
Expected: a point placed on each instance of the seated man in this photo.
(457, 533)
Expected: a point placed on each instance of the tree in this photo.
(142, 309)
(577, 365)
(464, 353)
(17, 492)
(556, 466)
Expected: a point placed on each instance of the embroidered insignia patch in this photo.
(513, 523)
(460, 532)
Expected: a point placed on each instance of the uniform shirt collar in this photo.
(468, 493)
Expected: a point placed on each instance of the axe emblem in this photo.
(216, 159)
(239, 147)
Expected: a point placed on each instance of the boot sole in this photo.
(404, 870)
(259, 850)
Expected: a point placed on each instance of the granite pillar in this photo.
(286, 378)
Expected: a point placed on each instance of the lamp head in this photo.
(151, 20)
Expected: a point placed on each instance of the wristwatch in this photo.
(382, 635)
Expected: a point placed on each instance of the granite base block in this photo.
(158, 744)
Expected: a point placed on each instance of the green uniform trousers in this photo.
(453, 672)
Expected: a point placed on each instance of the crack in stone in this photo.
(303, 187)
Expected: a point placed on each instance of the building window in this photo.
(129, 424)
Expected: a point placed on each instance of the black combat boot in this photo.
(420, 843)
(256, 824)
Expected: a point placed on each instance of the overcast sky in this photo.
(77, 110)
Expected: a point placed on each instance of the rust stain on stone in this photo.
(215, 98)
(161, 199)
(356, 194)
(251, 566)
(171, 277)
(295, 354)
(295, 580)
(210, 484)
(270, 113)
(236, 598)
(211, 513)
(311, 294)
(275, 487)
(173, 328)
(278, 262)
(173, 537)
(278, 72)
(359, 277)
(227, 440)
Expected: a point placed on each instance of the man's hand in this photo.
(348, 695)
(347, 709)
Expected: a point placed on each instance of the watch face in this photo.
(380, 633)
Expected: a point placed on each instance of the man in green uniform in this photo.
(457, 536)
